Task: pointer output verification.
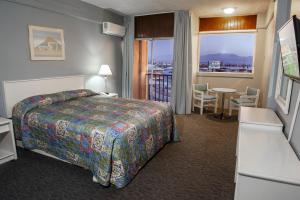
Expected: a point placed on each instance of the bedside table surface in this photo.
(108, 95)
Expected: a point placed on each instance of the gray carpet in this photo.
(199, 167)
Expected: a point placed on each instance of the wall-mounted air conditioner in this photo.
(113, 29)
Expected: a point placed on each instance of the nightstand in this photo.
(103, 94)
(7, 141)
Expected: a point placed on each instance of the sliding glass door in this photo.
(159, 69)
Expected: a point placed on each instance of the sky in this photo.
(161, 48)
(241, 44)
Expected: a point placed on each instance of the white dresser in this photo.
(267, 168)
(7, 141)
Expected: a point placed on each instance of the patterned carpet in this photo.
(201, 166)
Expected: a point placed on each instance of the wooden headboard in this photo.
(13, 92)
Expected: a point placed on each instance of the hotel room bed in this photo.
(112, 137)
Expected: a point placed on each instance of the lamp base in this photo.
(105, 79)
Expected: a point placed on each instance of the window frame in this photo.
(283, 103)
(227, 74)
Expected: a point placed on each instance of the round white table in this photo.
(223, 91)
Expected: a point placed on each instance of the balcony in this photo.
(159, 86)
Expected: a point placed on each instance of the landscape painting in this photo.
(46, 43)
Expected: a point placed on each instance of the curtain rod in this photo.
(154, 13)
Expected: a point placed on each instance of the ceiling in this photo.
(202, 8)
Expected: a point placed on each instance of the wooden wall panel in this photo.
(154, 26)
(139, 86)
(135, 70)
(228, 23)
(143, 69)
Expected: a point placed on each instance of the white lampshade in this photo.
(105, 70)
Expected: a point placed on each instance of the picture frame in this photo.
(46, 43)
(296, 113)
(283, 101)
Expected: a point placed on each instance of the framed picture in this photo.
(296, 117)
(46, 43)
(283, 92)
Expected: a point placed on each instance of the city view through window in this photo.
(231, 52)
(160, 56)
(160, 68)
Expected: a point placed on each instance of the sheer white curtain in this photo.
(128, 57)
(182, 72)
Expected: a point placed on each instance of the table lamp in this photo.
(105, 71)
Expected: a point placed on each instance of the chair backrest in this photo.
(253, 92)
(200, 87)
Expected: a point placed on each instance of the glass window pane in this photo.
(228, 52)
(284, 87)
(160, 69)
(160, 54)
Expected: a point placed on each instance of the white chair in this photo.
(202, 96)
(249, 98)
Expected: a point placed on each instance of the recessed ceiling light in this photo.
(229, 11)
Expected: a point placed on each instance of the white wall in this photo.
(295, 8)
(269, 45)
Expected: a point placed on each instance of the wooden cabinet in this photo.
(154, 26)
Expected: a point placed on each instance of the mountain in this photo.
(227, 58)
(50, 41)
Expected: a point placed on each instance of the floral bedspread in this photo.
(112, 137)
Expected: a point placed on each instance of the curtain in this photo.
(128, 57)
(182, 72)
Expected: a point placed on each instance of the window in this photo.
(227, 52)
(160, 69)
(283, 90)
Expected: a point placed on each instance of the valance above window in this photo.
(154, 26)
(228, 23)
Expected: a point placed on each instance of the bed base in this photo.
(20, 144)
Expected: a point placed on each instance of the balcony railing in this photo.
(159, 87)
